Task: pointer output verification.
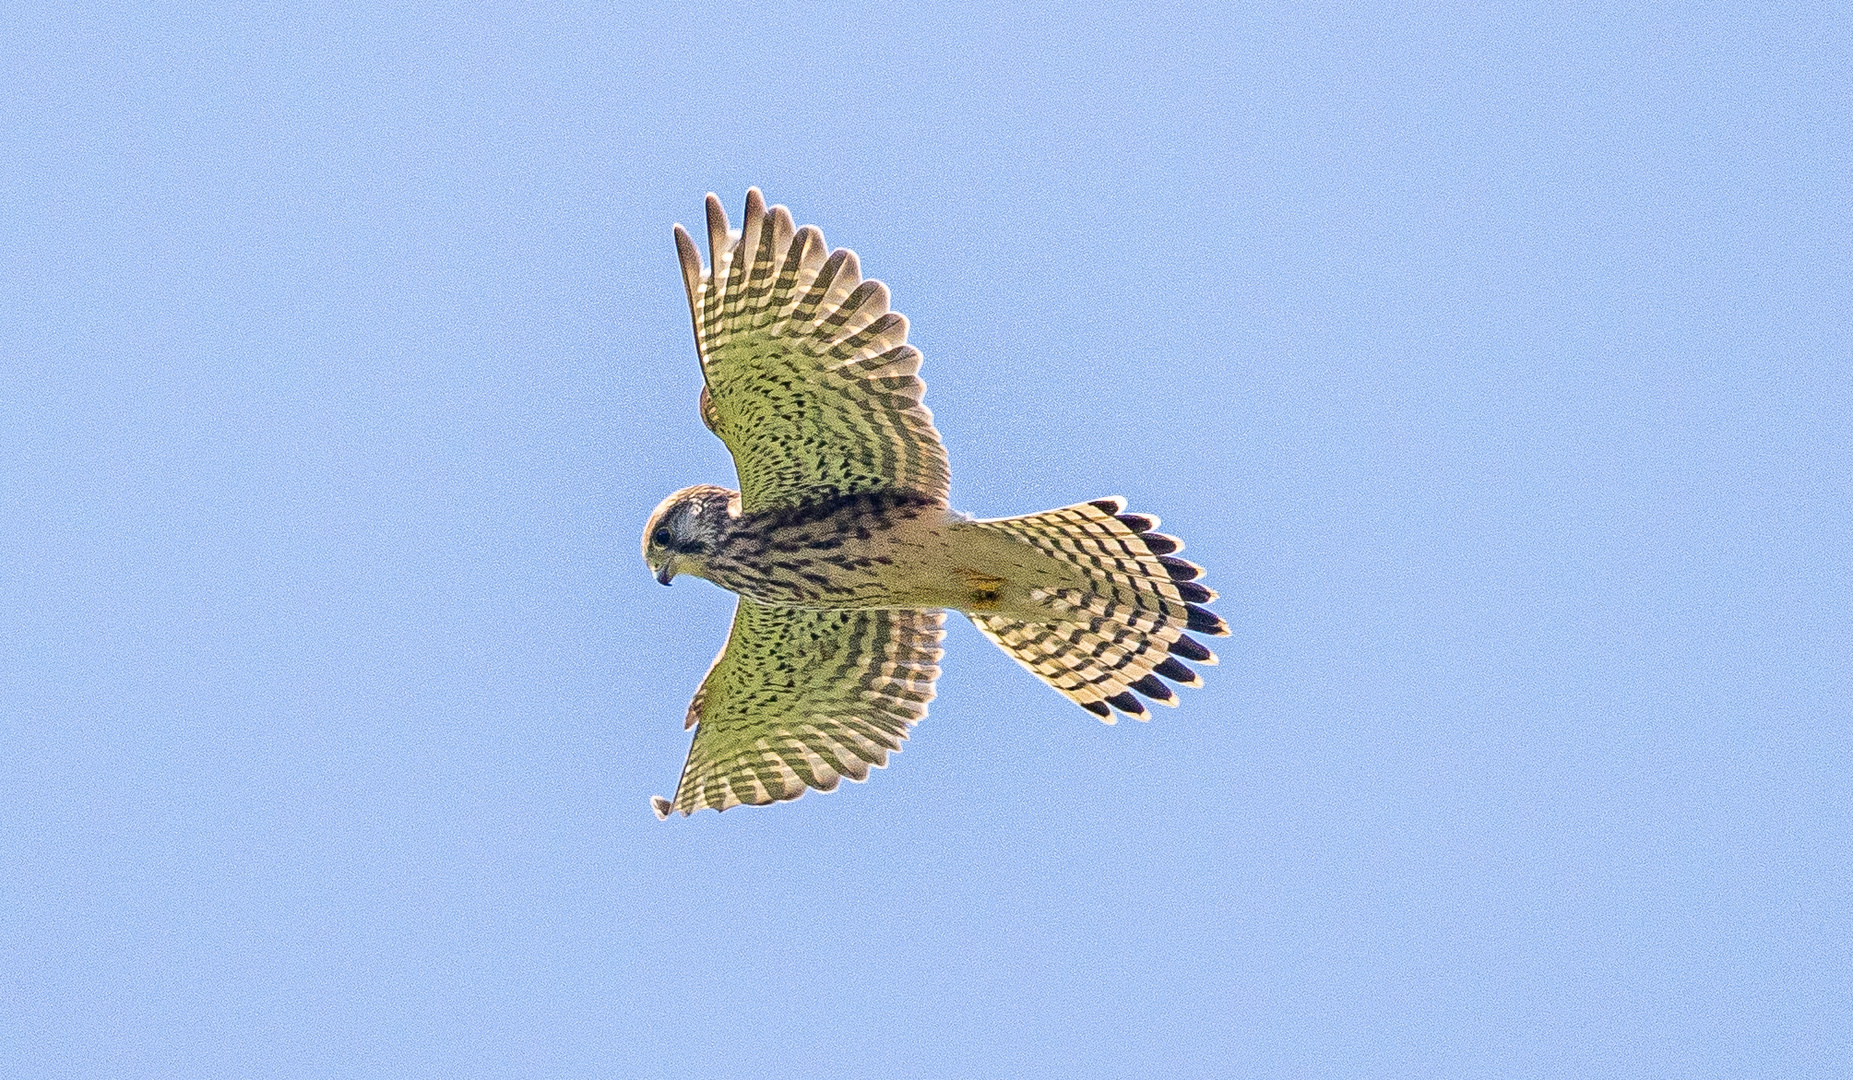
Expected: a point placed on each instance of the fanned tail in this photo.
(1129, 630)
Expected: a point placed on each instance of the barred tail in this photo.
(1126, 631)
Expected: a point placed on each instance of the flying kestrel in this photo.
(844, 551)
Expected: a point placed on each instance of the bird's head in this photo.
(686, 528)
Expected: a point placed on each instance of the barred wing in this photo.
(800, 699)
(809, 379)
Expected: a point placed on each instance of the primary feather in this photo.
(809, 378)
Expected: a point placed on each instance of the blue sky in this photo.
(1496, 363)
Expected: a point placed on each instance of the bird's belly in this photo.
(922, 561)
(905, 565)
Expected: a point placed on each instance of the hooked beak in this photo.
(663, 575)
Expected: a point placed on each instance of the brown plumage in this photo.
(845, 553)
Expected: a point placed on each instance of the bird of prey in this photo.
(844, 551)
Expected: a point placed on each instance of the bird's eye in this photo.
(660, 538)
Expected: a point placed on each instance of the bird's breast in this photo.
(881, 550)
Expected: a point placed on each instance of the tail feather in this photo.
(1123, 633)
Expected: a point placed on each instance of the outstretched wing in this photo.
(809, 379)
(800, 699)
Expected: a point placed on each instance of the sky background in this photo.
(1496, 363)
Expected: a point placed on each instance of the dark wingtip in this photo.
(1180, 569)
(1112, 504)
(1126, 703)
(1153, 687)
(1098, 708)
(1205, 622)
(1193, 593)
(661, 806)
(1190, 649)
(1159, 543)
(1138, 522)
(1176, 672)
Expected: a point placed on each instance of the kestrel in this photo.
(844, 551)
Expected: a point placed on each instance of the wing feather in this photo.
(799, 699)
(808, 377)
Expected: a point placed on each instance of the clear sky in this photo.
(1496, 363)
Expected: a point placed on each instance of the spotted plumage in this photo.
(845, 552)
